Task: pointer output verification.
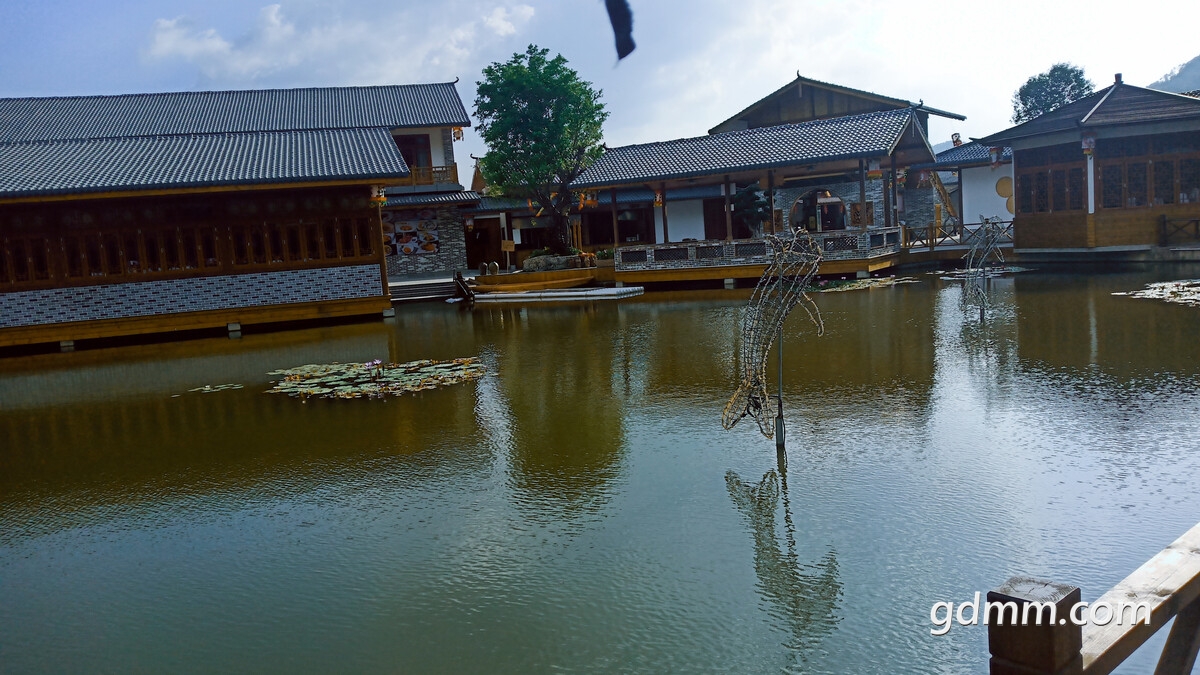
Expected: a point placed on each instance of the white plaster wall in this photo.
(979, 192)
(685, 220)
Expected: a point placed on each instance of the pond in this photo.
(579, 508)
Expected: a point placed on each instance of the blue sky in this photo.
(697, 62)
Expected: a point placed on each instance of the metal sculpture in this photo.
(985, 249)
(794, 261)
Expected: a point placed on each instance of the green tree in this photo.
(750, 208)
(1044, 92)
(543, 126)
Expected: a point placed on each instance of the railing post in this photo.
(929, 238)
(1021, 644)
(1179, 654)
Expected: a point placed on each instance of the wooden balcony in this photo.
(835, 245)
(431, 175)
(843, 251)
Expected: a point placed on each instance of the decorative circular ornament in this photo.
(1004, 187)
(1008, 204)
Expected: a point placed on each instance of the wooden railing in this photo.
(854, 244)
(1178, 230)
(430, 175)
(933, 236)
(1167, 586)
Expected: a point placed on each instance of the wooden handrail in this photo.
(1168, 584)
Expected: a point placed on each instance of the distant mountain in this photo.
(1184, 78)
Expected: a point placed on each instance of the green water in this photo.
(580, 508)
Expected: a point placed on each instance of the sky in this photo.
(697, 63)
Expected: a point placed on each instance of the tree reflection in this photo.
(802, 597)
(556, 376)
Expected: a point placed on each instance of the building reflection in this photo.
(1073, 321)
(803, 598)
(555, 368)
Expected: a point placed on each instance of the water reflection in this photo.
(555, 377)
(804, 598)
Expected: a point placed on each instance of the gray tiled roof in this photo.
(867, 135)
(967, 154)
(170, 162)
(430, 199)
(205, 112)
(1118, 104)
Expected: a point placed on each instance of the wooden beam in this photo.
(862, 193)
(365, 182)
(666, 236)
(771, 197)
(1167, 583)
(728, 211)
(616, 230)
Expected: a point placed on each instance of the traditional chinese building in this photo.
(147, 213)
(1114, 173)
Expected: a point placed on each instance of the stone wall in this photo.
(919, 206)
(848, 192)
(195, 294)
(450, 256)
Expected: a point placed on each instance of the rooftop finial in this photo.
(1118, 78)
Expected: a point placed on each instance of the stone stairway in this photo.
(424, 290)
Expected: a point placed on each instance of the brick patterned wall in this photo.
(196, 294)
(451, 255)
(848, 192)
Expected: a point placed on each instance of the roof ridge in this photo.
(220, 91)
(195, 134)
(759, 130)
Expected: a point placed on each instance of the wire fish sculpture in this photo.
(794, 261)
(984, 249)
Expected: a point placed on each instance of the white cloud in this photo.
(501, 20)
(413, 43)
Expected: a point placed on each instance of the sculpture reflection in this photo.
(803, 598)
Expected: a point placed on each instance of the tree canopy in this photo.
(543, 126)
(1044, 92)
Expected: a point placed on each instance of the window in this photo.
(415, 148)
(153, 255)
(1058, 191)
(1110, 186)
(365, 237)
(1075, 189)
(20, 258)
(1025, 193)
(347, 233)
(1136, 184)
(330, 232)
(1164, 182)
(1041, 192)
(74, 257)
(1189, 181)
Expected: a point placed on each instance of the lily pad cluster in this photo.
(211, 388)
(373, 379)
(860, 284)
(1184, 292)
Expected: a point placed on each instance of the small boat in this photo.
(569, 282)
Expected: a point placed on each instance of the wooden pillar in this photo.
(728, 212)
(892, 196)
(887, 201)
(666, 235)
(771, 197)
(862, 192)
(1038, 647)
(1179, 654)
(1091, 201)
(616, 230)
